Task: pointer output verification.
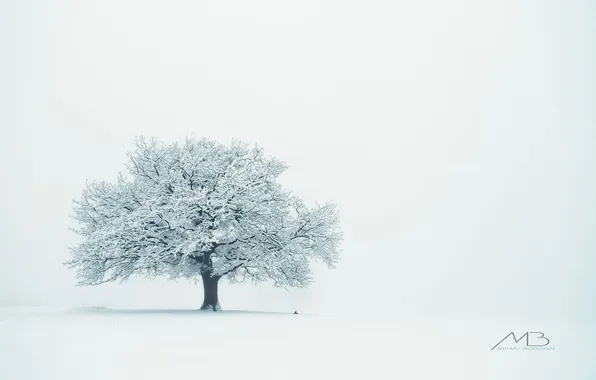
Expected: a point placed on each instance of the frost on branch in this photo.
(200, 209)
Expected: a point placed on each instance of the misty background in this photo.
(457, 138)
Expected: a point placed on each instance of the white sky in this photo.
(456, 136)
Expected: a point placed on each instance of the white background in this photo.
(456, 136)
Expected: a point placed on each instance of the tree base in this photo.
(215, 307)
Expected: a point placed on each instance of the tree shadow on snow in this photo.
(96, 310)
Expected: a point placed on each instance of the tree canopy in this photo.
(200, 209)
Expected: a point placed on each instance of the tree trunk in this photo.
(211, 301)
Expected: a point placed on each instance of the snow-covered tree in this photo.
(201, 209)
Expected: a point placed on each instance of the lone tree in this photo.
(200, 209)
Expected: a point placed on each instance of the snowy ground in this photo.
(100, 343)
